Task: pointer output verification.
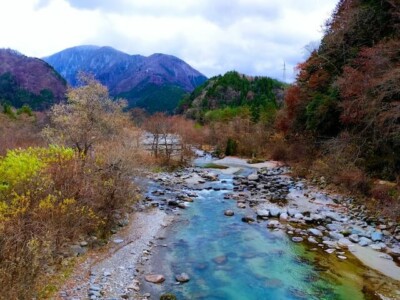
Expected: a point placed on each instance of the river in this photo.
(230, 259)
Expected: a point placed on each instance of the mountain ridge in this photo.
(126, 74)
(29, 81)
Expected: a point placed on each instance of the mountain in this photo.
(225, 97)
(143, 81)
(27, 80)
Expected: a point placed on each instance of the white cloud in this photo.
(214, 36)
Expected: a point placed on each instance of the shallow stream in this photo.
(229, 259)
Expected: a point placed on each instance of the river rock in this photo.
(220, 260)
(182, 205)
(330, 244)
(241, 205)
(317, 217)
(229, 213)
(253, 177)
(342, 257)
(155, 278)
(183, 277)
(211, 176)
(298, 216)
(274, 212)
(134, 285)
(173, 203)
(376, 236)
(262, 213)
(378, 246)
(336, 235)
(273, 224)
(344, 243)
(77, 250)
(283, 217)
(395, 251)
(248, 219)
(332, 215)
(312, 240)
(297, 239)
(354, 238)
(315, 232)
(292, 211)
(334, 227)
(364, 241)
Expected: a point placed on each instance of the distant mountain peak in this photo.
(126, 74)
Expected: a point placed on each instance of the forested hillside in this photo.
(347, 93)
(227, 96)
(28, 81)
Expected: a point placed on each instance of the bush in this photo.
(25, 109)
(50, 197)
(231, 147)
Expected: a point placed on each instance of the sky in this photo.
(253, 37)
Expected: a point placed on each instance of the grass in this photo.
(214, 166)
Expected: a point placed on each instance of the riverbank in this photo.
(307, 200)
(224, 256)
(111, 272)
(324, 223)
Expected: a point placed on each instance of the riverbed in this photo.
(227, 258)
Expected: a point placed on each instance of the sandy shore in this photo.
(238, 163)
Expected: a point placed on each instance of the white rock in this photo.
(274, 212)
(315, 232)
(253, 177)
(312, 240)
(344, 243)
(298, 216)
(284, 216)
(273, 224)
(262, 213)
(336, 235)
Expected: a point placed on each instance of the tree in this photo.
(88, 117)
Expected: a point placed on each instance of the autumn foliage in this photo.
(349, 87)
(54, 195)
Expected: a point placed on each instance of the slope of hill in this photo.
(348, 89)
(224, 97)
(31, 81)
(130, 76)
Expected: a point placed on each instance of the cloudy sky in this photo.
(254, 37)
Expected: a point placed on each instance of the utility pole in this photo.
(284, 71)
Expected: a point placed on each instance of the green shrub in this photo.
(25, 109)
(231, 147)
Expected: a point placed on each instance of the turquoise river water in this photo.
(229, 259)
